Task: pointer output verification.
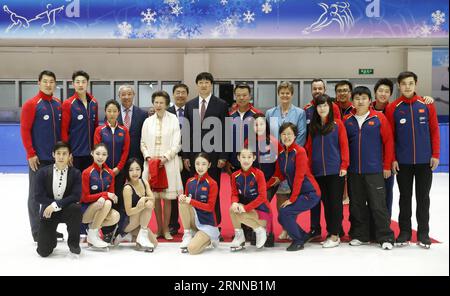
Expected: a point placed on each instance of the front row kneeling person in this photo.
(371, 151)
(58, 190)
(138, 202)
(196, 209)
(292, 165)
(98, 197)
(249, 204)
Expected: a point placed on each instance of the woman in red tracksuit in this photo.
(327, 148)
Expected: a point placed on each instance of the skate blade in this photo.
(402, 244)
(144, 249)
(425, 246)
(184, 250)
(94, 248)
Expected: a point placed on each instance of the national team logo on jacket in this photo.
(421, 110)
(94, 187)
(403, 121)
(120, 134)
(252, 183)
(204, 188)
(371, 123)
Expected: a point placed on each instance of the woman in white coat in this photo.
(161, 139)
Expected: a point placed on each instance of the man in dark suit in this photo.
(206, 109)
(58, 191)
(180, 95)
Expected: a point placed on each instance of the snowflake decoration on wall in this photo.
(266, 8)
(438, 17)
(148, 16)
(248, 17)
(125, 29)
(177, 10)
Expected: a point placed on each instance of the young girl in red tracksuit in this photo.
(249, 204)
(292, 165)
(327, 148)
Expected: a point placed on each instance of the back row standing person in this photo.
(286, 112)
(40, 128)
(204, 109)
(79, 121)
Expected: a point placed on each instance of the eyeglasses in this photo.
(343, 91)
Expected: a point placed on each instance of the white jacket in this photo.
(170, 146)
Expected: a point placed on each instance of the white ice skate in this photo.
(238, 242)
(94, 241)
(187, 237)
(261, 237)
(143, 242)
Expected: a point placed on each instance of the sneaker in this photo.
(329, 243)
(295, 247)
(313, 236)
(402, 239)
(386, 246)
(357, 242)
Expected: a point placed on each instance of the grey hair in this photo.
(125, 86)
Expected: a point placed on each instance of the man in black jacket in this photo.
(58, 190)
(204, 114)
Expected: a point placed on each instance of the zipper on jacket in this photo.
(114, 152)
(413, 134)
(54, 124)
(323, 159)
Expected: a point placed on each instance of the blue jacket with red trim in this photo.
(40, 125)
(328, 154)
(372, 146)
(309, 110)
(118, 144)
(346, 110)
(292, 164)
(266, 154)
(96, 182)
(240, 131)
(204, 193)
(79, 123)
(416, 130)
(249, 189)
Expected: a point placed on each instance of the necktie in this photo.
(203, 110)
(180, 116)
(126, 120)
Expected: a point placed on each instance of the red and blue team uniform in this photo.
(96, 183)
(117, 142)
(79, 123)
(40, 126)
(204, 193)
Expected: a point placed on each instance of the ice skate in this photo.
(261, 237)
(143, 242)
(402, 240)
(95, 242)
(424, 242)
(123, 238)
(238, 242)
(187, 237)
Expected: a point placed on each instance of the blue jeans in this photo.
(287, 216)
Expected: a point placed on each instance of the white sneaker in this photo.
(143, 239)
(329, 243)
(357, 242)
(93, 238)
(387, 246)
(187, 237)
(127, 238)
(261, 237)
(239, 238)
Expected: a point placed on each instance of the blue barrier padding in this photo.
(13, 157)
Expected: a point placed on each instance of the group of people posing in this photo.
(106, 180)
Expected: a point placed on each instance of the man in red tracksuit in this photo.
(417, 143)
(80, 119)
(371, 151)
(40, 128)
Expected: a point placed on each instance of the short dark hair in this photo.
(384, 81)
(161, 93)
(287, 125)
(126, 169)
(343, 82)
(114, 102)
(180, 85)
(61, 144)
(203, 155)
(80, 73)
(238, 153)
(317, 80)
(98, 146)
(362, 90)
(204, 76)
(46, 73)
(406, 74)
(242, 86)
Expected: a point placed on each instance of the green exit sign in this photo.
(365, 71)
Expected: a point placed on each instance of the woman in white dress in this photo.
(161, 139)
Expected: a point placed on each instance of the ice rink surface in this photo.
(18, 255)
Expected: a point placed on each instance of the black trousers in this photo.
(33, 206)
(71, 216)
(82, 162)
(332, 190)
(424, 177)
(174, 223)
(367, 193)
